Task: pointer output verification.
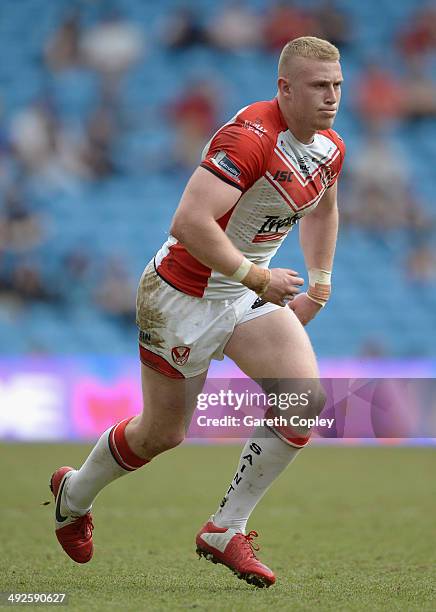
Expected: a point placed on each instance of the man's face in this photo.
(311, 91)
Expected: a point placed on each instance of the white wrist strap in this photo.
(316, 301)
(323, 277)
(242, 271)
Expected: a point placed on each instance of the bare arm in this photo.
(319, 230)
(206, 199)
(318, 235)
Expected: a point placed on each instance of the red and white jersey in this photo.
(280, 179)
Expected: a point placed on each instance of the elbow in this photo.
(178, 228)
(184, 226)
(181, 228)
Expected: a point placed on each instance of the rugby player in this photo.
(209, 291)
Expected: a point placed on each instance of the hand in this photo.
(283, 287)
(304, 308)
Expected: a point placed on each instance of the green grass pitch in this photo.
(343, 528)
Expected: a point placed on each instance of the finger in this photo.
(295, 280)
(292, 291)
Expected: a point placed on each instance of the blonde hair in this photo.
(308, 46)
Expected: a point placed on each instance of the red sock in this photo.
(287, 433)
(120, 449)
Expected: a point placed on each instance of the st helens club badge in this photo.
(180, 354)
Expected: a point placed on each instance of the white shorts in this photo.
(179, 334)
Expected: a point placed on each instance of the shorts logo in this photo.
(226, 164)
(180, 354)
(258, 303)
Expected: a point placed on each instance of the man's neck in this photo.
(302, 134)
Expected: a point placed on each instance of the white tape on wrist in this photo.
(266, 285)
(242, 271)
(322, 304)
(323, 277)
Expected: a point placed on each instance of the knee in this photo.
(307, 394)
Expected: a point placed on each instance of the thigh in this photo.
(273, 345)
(179, 334)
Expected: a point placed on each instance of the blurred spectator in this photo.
(20, 229)
(419, 36)
(7, 163)
(77, 264)
(237, 27)
(3, 237)
(101, 131)
(59, 157)
(116, 292)
(77, 275)
(33, 136)
(28, 285)
(4, 280)
(111, 48)
(62, 50)
(46, 152)
(419, 92)
(380, 197)
(195, 117)
(373, 348)
(379, 96)
(181, 30)
(421, 264)
(284, 21)
(334, 24)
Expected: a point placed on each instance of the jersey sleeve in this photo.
(236, 155)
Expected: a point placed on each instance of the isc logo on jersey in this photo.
(283, 176)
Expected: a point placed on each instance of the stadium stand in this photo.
(91, 159)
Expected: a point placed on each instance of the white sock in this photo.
(263, 458)
(110, 459)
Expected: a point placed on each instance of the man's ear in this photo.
(284, 87)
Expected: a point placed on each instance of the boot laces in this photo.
(249, 545)
(84, 526)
